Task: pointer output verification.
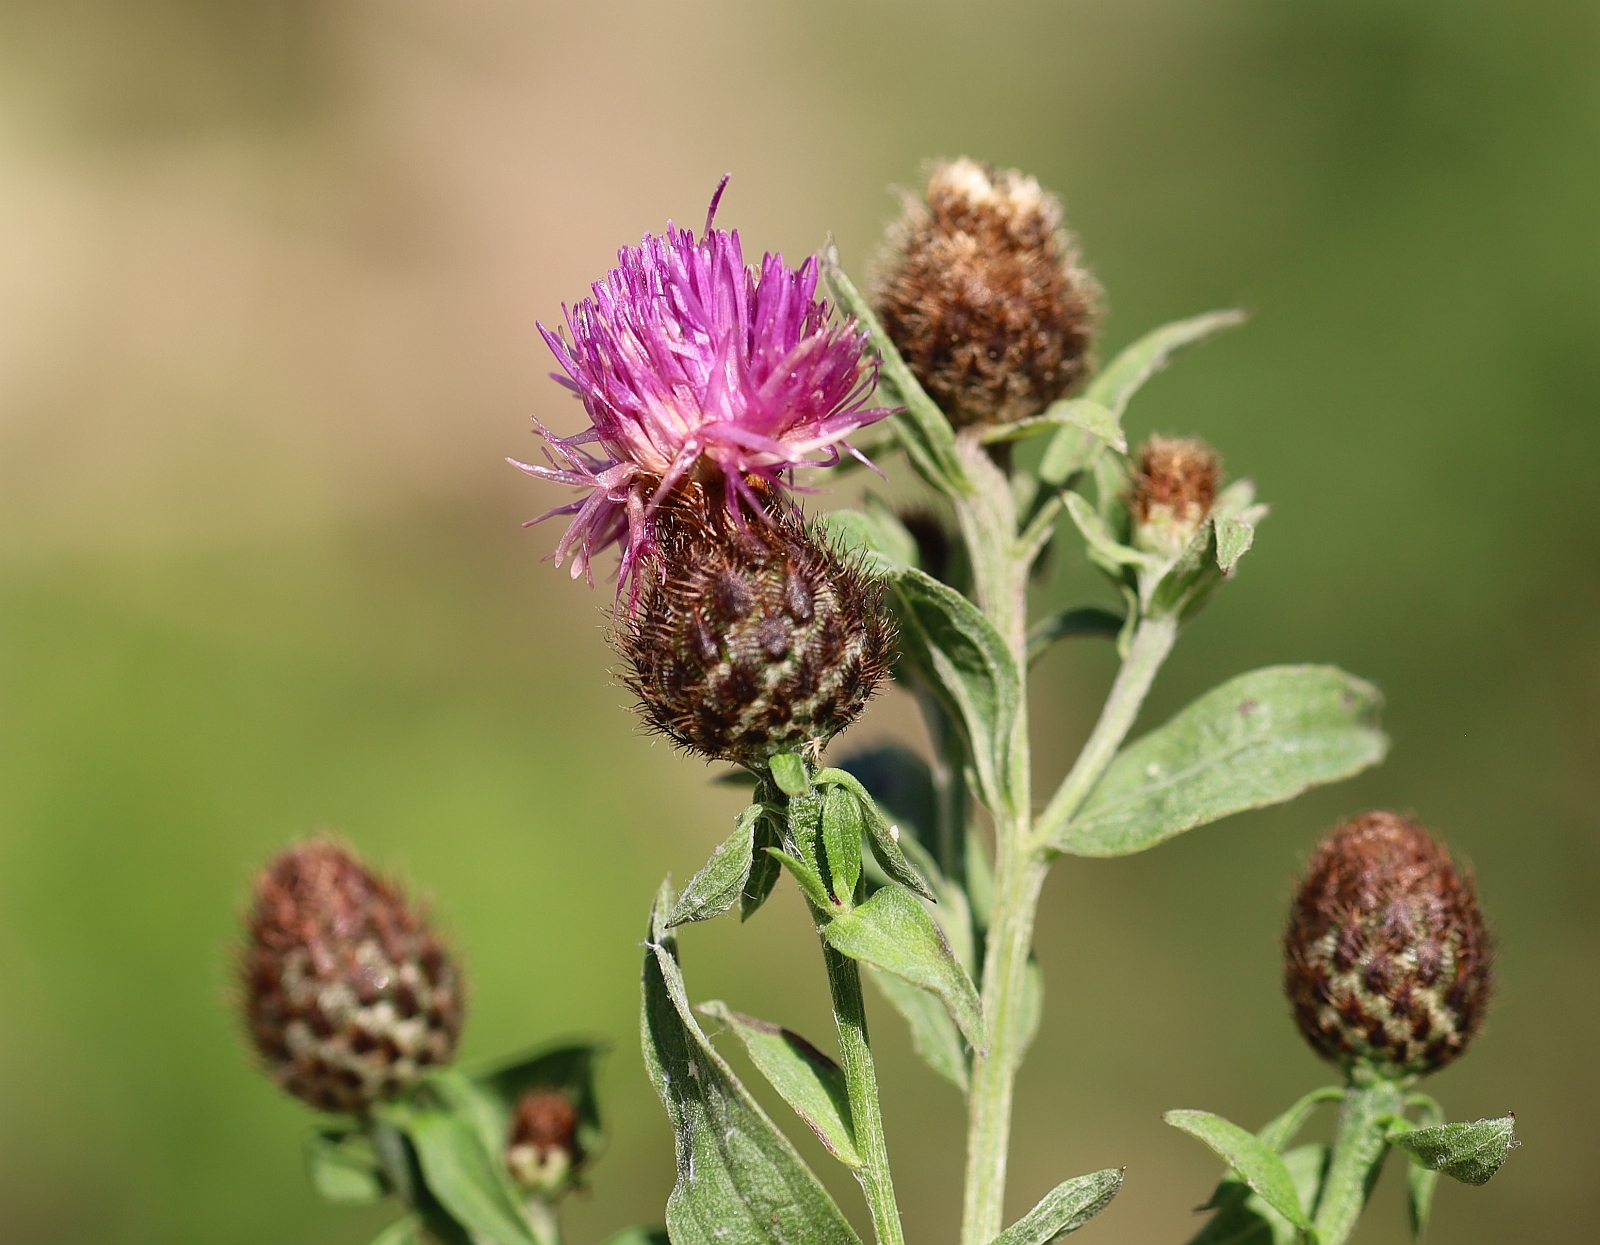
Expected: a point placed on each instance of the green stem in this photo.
(1359, 1147)
(1152, 641)
(861, 1080)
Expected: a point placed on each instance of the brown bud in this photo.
(543, 1152)
(752, 635)
(1174, 486)
(1387, 957)
(348, 994)
(981, 292)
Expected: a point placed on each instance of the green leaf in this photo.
(883, 838)
(1421, 1182)
(1032, 1002)
(1258, 739)
(1470, 1153)
(739, 1182)
(1098, 421)
(1281, 1131)
(344, 1167)
(640, 1236)
(966, 664)
(934, 1035)
(789, 773)
(1087, 620)
(765, 868)
(1070, 451)
(806, 1079)
(1105, 550)
(810, 880)
(1120, 379)
(1259, 1165)
(841, 841)
(1064, 1209)
(893, 931)
(718, 885)
(468, 1182)
(901, 785)
(881, 540)
(405, 1231)
(921, 428)
(1243, 1218)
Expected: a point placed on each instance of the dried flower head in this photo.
(348, 994)
(982, 293)
(751, 635)
(1387, 956)
(1174, 486)
(543, 1152)
(693, 367)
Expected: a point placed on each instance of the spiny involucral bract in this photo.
(693, 367)
(981, 292)
(1387, 956)
(750, 633)
(349, 995)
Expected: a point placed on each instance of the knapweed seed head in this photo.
(694, 368)
(348, 994)
(981, 291)
(543, 1153)
(1387, 956)
(750, 634)
(1175, 482)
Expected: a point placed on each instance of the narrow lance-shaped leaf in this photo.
(469, 1183)
(403, 1231)
(1258, 739)
(893, 931)
(806, 1079)
(739, 1182)
(765, 868)
(720, 882)
(881, 836)
(1260, 1166)
(344, 1167)
(1282, 1130)
(1064, 1209)
(921, 428)
(1470, 1153)
(841, 841)
(1243, 1218)
(968, 666)
(1098, 421)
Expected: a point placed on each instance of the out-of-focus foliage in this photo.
(267, 329)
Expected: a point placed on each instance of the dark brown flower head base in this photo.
(1387, 956)
(983, 296)
(348, 994)
(751, 634)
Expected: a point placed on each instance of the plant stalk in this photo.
(861, 1081)
(1359, 1147)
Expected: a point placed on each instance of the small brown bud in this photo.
(982, 294)
(1174, 487)
(349, 996)
(751, 635)
(1387, 956)
(543, 1152)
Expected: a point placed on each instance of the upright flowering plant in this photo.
(754, 635)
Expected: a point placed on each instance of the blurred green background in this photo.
(271, 271)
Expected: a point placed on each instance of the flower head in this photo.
(693, 366)
(983, 295)
(543, 1152)
(1174, 486)
(348, 994)
(752, 635)
(1387, 956)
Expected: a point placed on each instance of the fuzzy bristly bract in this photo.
(1387, 955)
(348, 994)
(982, 293)
(750, 633)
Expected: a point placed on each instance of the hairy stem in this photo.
(861, 1080)
(1359, 1147)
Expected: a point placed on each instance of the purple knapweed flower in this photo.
(693, 367)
